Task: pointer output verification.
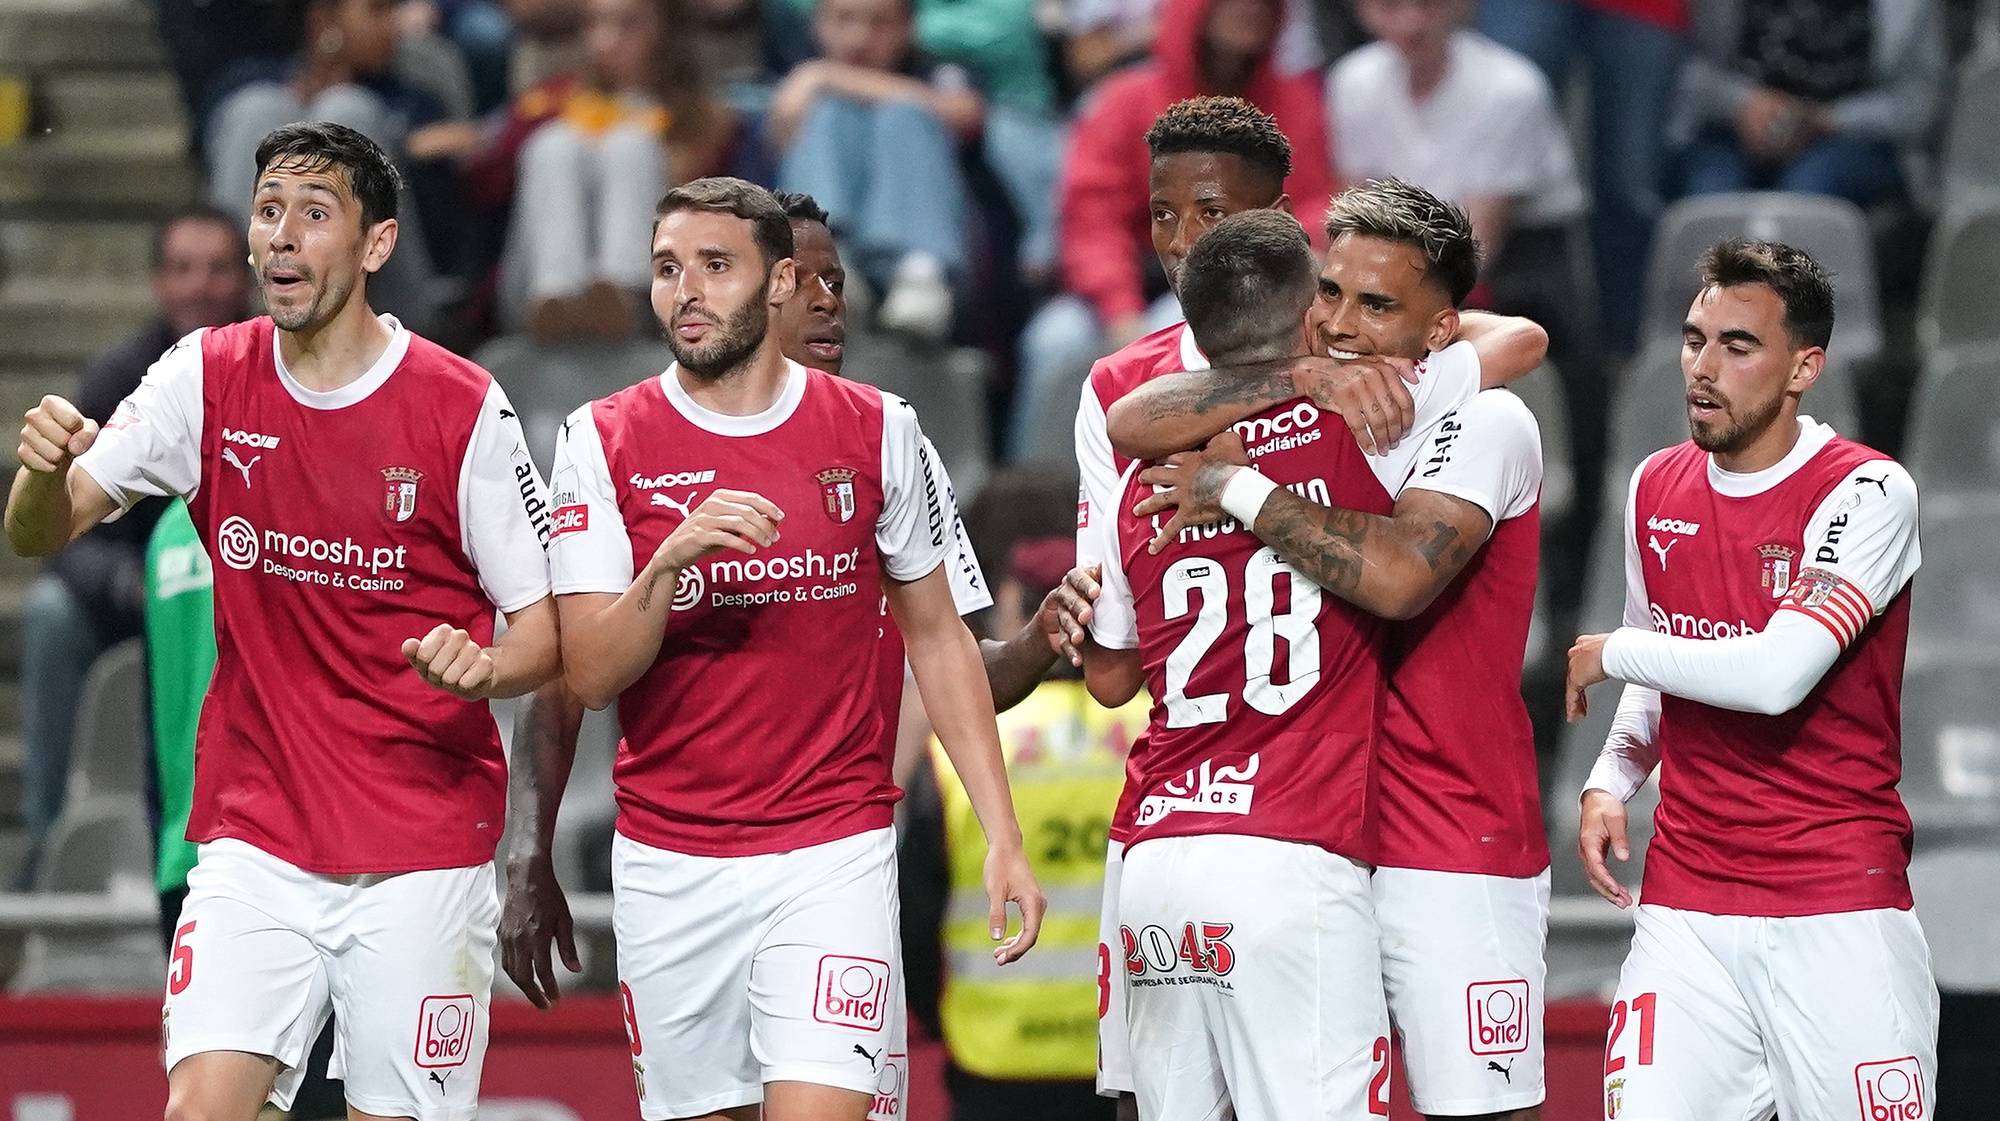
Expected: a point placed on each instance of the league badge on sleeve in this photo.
(400, 495)
(836, 486)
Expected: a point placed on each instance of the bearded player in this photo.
(369, 504)
(722, 535)
(1776, 967)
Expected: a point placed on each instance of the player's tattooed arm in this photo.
(535, 917)
(1181, 411)
(1389, 566)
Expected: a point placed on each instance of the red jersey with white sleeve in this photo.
(968, 593)
(1797, 813)
(1100, 471)
(1458, 777)
(1268, 690)
(758, 729)
(341, 523)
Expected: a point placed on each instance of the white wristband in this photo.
(1244, 494)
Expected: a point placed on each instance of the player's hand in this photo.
(1009, 879)
(1193, 482)
(53, 434)
(1586, 668)
(1371, 393)
(1066, 610)
(1600, 827)
(727, 519)
(534, 917)
(449, 659)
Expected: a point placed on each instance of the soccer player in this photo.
(721, 535)
(368, 503)
(1461, 884)
(1776, 967)
(1248, 940)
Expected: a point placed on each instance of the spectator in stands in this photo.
(548, 41)
(1632, 50)
(92, 594)
(1105, 35)
(872, 128)
(342, 72)
(1826, 97)
(1439, 104)
(484, 38)
(1113, 291)
(639, 118)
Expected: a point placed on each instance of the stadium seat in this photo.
(99, 845)
(1833, 230)
(1953, 444)
(546, 382)
(1951, 736)
(1960, 304)
(112, 751)
(1957, 595)
(1970, 168)
(947, 387)
(1957, 888)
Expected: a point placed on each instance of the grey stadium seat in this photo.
(1954, 439)
(1951, 737)
(112, 746)
(1957, 888)
(99, 844)
(1834, 231)
(546, 382)
(1542, 392)
(1957, 595)
(1960, 305)
(947, 387)
(1971, 164)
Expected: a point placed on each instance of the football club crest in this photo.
(836, 487)
(1775, 569)
(1614, 1098)
(399, 499)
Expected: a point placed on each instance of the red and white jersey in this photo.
(340, 524)
(1268, 690)
(1100, 472)
(1795, 814)
(1458, 779)
(968, 592)
(759, 727)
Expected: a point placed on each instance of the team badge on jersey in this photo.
(1614, 1098)
(836, 485)
(1775, 563)
(400, 496)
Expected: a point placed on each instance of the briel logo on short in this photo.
(444, 1031)
(852, 992)
(1891, 1090)
(1496, 1014)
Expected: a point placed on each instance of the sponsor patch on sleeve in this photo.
(574, 518)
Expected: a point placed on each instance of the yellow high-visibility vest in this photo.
(1037, 1018)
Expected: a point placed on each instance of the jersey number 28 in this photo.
(1193, 577)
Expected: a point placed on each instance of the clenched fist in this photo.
(53, 435)
(449, 659)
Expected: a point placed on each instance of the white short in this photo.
(738, 971)
(1256, 981)
(1462, 969)
(404, 962)
(1114, 1046)
(1817, 1018)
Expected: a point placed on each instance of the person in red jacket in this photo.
(1204, 47)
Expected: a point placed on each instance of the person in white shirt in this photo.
(1436, 103)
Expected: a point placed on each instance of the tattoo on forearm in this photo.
(1325, 544)
(1264, 383)
(646, 593)
(1441, 548)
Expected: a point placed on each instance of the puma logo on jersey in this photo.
(1662, 550)
(662, 498)
(1506, 1072)
(248, 439)
(874, 1058)
(439, 1079)
(1881, 484)
(229, 456)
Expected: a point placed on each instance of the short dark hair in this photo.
(1247, 282)
(724, 194)
(1806, 288)
(1226, 125)
(1397, 210)
(198, 212)
(318, 145)
(801, 207)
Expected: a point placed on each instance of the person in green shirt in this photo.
(180, 655)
